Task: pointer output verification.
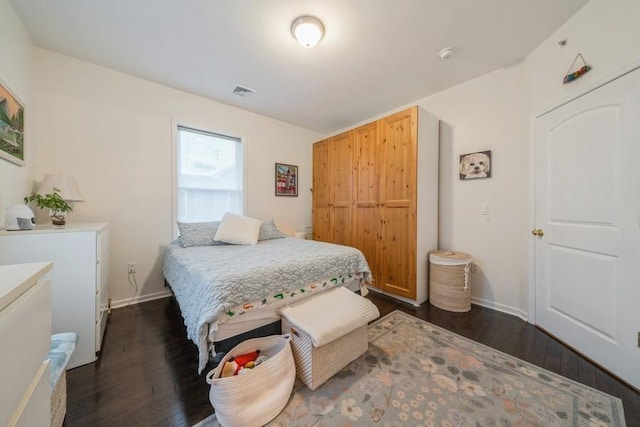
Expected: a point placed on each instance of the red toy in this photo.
(236, 363)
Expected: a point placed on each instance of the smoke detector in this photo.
(447, 53)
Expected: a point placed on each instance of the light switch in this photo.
(484, 209)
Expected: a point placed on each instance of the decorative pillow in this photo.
(269, 231)
(198, 233)
(238, 229)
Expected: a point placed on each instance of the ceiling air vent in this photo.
(244, 92)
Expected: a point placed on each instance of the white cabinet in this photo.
(25, 334)
(80, 256)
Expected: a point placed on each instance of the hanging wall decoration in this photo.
(571, 76)
(11, 126)
(286, 180)
(475, 165)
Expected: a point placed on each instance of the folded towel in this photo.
(62, 348)
(330, 315)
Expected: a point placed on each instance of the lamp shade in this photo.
(65, 183)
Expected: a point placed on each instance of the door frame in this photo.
(532, 171)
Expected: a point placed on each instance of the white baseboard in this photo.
(479, 301)
(501, 307)
(142, 298)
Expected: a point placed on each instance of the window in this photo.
(210, 175)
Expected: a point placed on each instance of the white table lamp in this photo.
(68, 189)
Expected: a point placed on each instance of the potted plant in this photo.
(57, 206)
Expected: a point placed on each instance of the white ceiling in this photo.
(376, 54)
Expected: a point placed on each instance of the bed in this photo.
(226, 290)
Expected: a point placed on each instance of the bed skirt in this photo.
(222, 337)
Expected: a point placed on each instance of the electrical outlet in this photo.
(132, 267)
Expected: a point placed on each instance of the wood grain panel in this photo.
(399, 155)
(341, 165)
(322, 224)
(321, 176)
(366, 159)
(397, 253)
(406, 203)
(366, 220)
(321, 191)
(366, 235)
(341, 225)
(398, 170)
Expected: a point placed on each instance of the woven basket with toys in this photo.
(262, 368)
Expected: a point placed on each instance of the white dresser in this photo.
(80, 256)
(25, 334)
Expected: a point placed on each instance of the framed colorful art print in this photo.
(286, 180)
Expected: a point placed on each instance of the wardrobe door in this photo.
(366, 221)
(321, 192)
(397, 244)
(340, 172)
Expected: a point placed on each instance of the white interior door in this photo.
(587, 262)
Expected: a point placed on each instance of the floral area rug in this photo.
(416, 374)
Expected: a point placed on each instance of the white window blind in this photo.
(210, 175)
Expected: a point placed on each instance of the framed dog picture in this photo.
(475, 165)
(286, 180)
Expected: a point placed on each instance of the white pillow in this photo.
(238, 229)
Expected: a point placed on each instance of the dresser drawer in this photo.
(31, 411)
(26, 337)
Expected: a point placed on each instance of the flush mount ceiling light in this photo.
(308, 30)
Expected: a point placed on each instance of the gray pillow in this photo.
(268, 231)
(198, 233)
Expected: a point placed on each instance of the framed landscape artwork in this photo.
(11, 127)
(286, 180)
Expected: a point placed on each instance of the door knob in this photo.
(537, 232)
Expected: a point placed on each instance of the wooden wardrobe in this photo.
(376, 188)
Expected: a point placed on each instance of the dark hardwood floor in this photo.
(147, 372)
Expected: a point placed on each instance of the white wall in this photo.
(496, 112)
(15, 74)
(488, 113)
(113, 133)
(607, 34)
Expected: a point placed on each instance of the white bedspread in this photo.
(209, 281)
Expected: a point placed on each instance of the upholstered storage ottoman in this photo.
(328, 331)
